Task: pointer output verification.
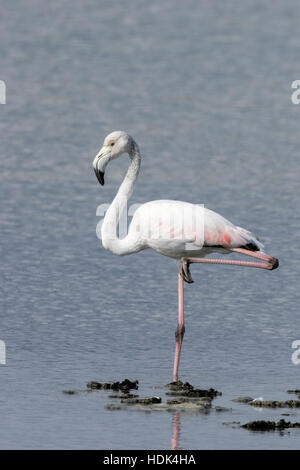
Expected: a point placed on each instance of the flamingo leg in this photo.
(179, 333)
(267, 262)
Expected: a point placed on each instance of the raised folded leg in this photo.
(267, 262)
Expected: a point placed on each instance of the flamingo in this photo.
(180, 230)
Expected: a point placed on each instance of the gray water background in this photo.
(205, 89)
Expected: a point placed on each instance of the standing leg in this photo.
(265, 262)
(180, 328)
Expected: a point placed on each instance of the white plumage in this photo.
(181, 230)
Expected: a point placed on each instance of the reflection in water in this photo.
(175, 430)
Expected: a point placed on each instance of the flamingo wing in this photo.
(219, 232)
(170, 226)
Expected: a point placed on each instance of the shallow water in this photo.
(205, 90)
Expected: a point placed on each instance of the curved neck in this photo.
(111, 220)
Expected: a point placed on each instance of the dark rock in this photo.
(94, 385)
(180, 400)
(276, 404)
(141, 401)
(270, 425)
(260, 425)
(243, 399)
(187, 390)
(188, 405)
(196, 392)
(177, 401)
(180, 386)
(233, 424)
(124, 396)
(123, 386)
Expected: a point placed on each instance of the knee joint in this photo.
(179, 333)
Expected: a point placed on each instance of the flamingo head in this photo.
(115, 144)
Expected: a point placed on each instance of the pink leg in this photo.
(268, 262)
(180, 328)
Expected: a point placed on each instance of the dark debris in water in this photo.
(155, 404)
(275, 403)
(123, 386)
(141, 401)
(263, 426)
(232, 424)
(123, 396)
(270, 425)
(179, 386)
(196, 401)
(185, 398)
(187, 390)
(75, 392)
(243, 400)
(268, 403)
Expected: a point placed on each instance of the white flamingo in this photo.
(180, 230)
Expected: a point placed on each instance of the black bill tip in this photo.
(100, 177)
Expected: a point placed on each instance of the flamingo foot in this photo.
(184, 270)
(274, 263)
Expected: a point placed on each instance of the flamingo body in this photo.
(177, 229)
(181, 230)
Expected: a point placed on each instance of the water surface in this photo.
(205, 90)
